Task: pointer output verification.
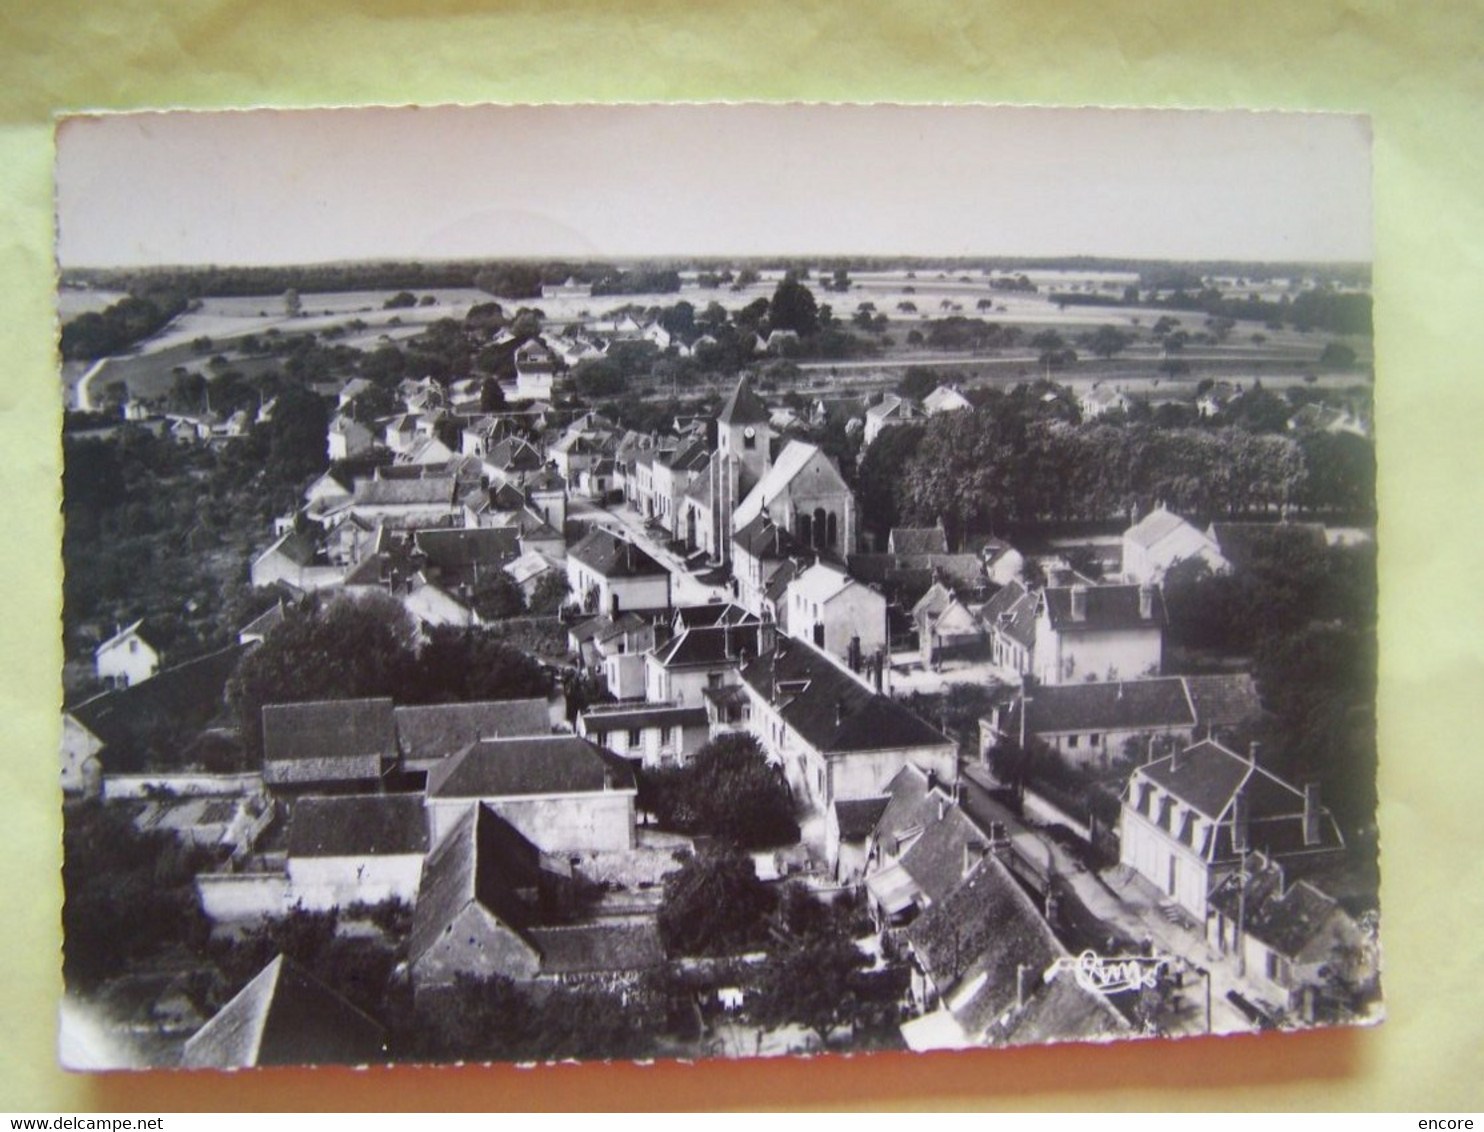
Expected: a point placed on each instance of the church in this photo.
(800, 491)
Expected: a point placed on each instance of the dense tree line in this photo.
(1015, 460)
(97, 334)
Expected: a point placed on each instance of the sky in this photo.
(265, 187)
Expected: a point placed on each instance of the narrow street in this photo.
(1129, 905)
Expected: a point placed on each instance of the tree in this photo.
(468, 665)
(714, 905)
(728, 790)
(793, 308)
(349, 649)
(1106, 341)
(498, 596)
(550, 593)
(1337, 354)
(809, 974)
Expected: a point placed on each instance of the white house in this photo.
(656, 735)
(609, 574)
(127, 657)
(1161, 539)
(1099, 633)
(836, 613)
(362, 848)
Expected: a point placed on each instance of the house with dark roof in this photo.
(835, 736)
(917, 540)
(428, 734)
(803, 492)
(849, 824)
(119, 729)
(761, 549)
(1009, 619)
(492, 903)
(1297, 945)
(286, 1016)
(456, 558)
(563, 792)
(1099, 633)
(682, 669)
(359, 848)
(1191, 819)
(653, 735)
(420, 501)
(608, 574)
(328, 746)
(984, 970)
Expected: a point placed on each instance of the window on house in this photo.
(133, 646)
(666, 734)
(1093, 739)
(1071, 742)
(713, 679)
(634, 737)
(1274, 967)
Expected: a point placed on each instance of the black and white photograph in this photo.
(552, 583)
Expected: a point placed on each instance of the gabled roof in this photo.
(329, 740)
(1225, 700)
(134, 630)
(791, 463)
(833, 711)
(516, 767)
(1208, 778)
(188, 695)
(359, 825)
(1156, 526)
(464, 547)
(285, 1016)
(297, 548)
(423, 491)
(263, 623)
(614, 557)
(599, 947)
(743, 406)
(939, 859)
(822, 583)
(712, 613)
(938, 598)
(709, 645)
(1012, 611)
(917, 540)
(1109, 608)
(483, 860)
(764, 539)
(945, 398)
(437, 731)
(1113, 705)
(856, 818)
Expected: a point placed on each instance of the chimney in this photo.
(1253, 750)
(999, 840)
(1240, 823)
(766, 637)
(1312, 814)
(1146, 602)
(974, 852)
(1079, 602)
(853, 653)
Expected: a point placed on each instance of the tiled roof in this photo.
(1225, 700)
(834, 712)
(1159, 524)
(917, 540)
(764, 539)
(482, 860)
(709, 645)
(285, 1016)
(1108, 608)
(940, 858)
(328, 740)
(1012, 610)
(712, 613)
(425, 491)
(1061, 1011)
(1285, 919)
(189, 695)
(791, 463)
(600, 723)
(436, 731)
(507, 768)
(1113, 705)
(360, 825)
(463, 547)
(600, 947)
(298, 548)
(614, 557)
(857, 817)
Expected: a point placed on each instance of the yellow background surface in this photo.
(1415, 68)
